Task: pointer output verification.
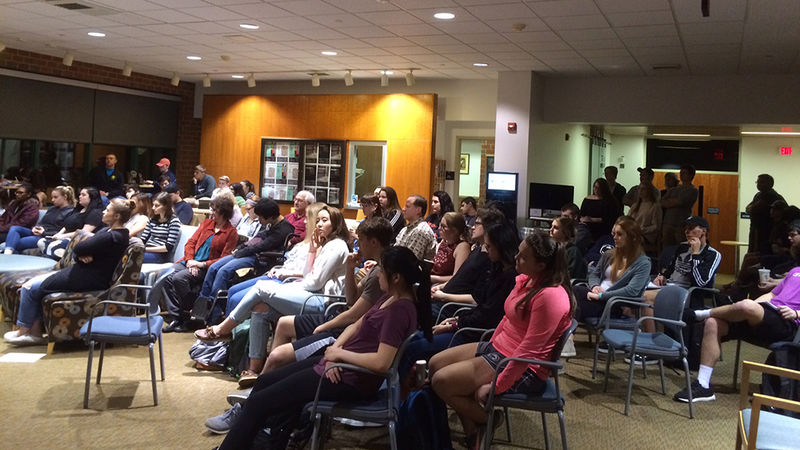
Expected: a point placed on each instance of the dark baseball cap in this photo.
(172, 188)
(646, 170)
(696, 221)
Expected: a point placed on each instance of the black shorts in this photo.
(305, 324)
(773, 328)
(307, 343)
(529, 383)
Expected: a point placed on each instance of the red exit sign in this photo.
(786, 150)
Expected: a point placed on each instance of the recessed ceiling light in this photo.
(444, 16)
(194, 58)
(387, 72)
(248, 26)
(238, 77)
(96, 34)
(480, 64)
(329, 53)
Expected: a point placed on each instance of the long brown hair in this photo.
(456, 221)
(338, 225)
(622, 258)
(554, 256)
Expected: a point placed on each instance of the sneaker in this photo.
(638, 361)
(222, 423)
(569, 349)
(357, 423)
(239, 397)
(603, 349)
(26, 340)
(699, 394)
(10, 335)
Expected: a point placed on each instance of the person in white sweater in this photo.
(324, 273)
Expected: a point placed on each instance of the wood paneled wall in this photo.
(719, 191)
(234, 125)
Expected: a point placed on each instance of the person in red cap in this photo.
(163, 168)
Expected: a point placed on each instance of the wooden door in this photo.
(720, 193)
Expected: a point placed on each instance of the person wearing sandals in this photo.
(370, 342)
(97, 258)
(324, 273)
(537, 312)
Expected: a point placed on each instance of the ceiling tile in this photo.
(502, 11)
(389, 18)
(642, 18)
(532, 36)
(169, 16)
(647, 31)
(588, 35)
(339, 21)
(505, 25)
(418, 29)
(367, 32)
(621, 6)
(446, 49)
(128, 5)
(213, 13)
(598, 44)
(358, 6)
(292, 23)
(687, 11)
(441, 39)
(576, 22)
(259, 10)
(562, 8)
(605, 53)
(308, 7)
(409, 51)
(481, 38)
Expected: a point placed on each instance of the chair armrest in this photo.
(707, 290)
(633, 301)
(678, 323)
(353, 367)
(450, 305)
(334, 305)
(483, 331)
(310, 296)
(550, 364)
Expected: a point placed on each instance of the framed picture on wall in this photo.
(288, 165)
(464, 164)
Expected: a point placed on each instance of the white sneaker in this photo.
(638, 361)
(569, 349)
(27, 339)
(10, 335)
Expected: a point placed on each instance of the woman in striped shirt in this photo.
(162, 233)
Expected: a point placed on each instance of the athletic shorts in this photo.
(773, 328)
(307, 343)
(529, 383)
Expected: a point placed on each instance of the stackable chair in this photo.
(667, 310)
(766, 429)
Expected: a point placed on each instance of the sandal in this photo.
(207, 335)
(247, 379)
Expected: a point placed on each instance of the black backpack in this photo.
(422, 422)
(785, 355)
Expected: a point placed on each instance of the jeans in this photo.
(155, 258)
(30, 301)
(285, 299)
(235, 295)
(221, 273)
(20, 238)
(180, 289)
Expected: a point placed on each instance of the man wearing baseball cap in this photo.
(163, 168)
(695, 264)
(646, 176)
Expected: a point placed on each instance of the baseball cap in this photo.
(696, 221)
(163, 162)
(172, 188)
(647, 170)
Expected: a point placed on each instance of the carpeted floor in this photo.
(41, 405)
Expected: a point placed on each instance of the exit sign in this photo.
(786, 150)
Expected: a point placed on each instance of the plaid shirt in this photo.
(419, 238)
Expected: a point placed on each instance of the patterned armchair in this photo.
(11, 282)
(66, 312)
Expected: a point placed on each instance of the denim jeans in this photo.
(221, 273)
(155, 258)
(235, 295)
(30, 301)
(20, 238)
(285, 299)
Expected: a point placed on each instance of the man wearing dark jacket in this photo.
(108, 180)
(253, 253)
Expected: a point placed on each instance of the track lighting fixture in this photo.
(176, 79)
(348, 79)
(410, 80)
(68, 58)
(207, 81)
(315, 80)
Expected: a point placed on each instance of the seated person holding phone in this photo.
(771, 318)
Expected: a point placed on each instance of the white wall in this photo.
(470, 185)
(633, 150)
(516, 100)
(759, 155)
(555, 160)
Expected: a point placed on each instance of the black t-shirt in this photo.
(76, 220)
(469, 274)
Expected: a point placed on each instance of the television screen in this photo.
(501, 181)
(551, 197)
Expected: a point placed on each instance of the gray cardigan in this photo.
(633, 281)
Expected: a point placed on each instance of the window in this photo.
(366, 169)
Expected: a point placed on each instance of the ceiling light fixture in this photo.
(238, 77)
(127, 70)
(480, 64)
(410, 80)
(771, 133)
(96, 34)
(681, 135)
(194, 58)
(444, 16)
(176, 79)
(348, 79)
(315, 79)
(68, 58)
(384, 79)
(388, 72)
(248, 26)
(207, 81)
(251, 81)
(329, 53)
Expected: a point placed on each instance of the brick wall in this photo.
(188, 141)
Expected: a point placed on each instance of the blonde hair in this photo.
(311, 219)
(67, 192)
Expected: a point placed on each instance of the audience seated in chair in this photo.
(23, 211)
(538, 311)
(441, 204)
(563, 230)
(390, 205)
(21, 238)
(142, 213)
(298, 217)
(162, 232)
(771, 318)
(416, 235)
(87, 216)
(371, 342)
(97, 257)
(453, 249)
(695, 265)
(599, 210)
(249, 225)
(182, 209)
(203, 183)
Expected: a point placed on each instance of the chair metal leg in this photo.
(563, 427)
(100, 362)
(488, 432)
(644, 366)
(736, 364)
(661, 370)
(608, 367)
(315, 433)
(630, 384)
(153, 374)
(688, 386)
(508, 424)
(392, 435)
(596, 355)
(88, 376)
(544, 430)
(161, 356)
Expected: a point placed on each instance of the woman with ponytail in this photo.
(370, 342)
(537, 312)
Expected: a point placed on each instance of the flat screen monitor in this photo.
(501, 181)
(547, 199)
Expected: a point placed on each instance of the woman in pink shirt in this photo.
(538, 310)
